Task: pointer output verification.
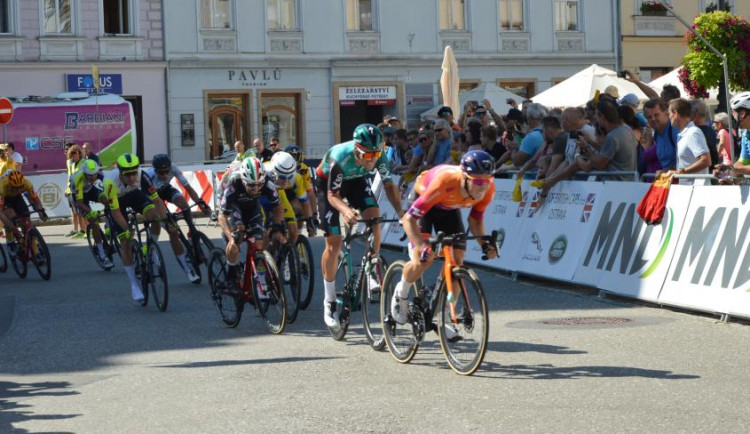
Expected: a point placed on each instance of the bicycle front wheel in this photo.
(288, 264)
(344, 307)
(191, 260)
(268, 294)
(3, 260)
(39, 254)
(371, 287)
(140, 270)
(225, 294)
(306, 271)
(157, 276)
(92, 245)
(400, 339)
(463, 324)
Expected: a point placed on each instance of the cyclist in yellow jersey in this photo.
(86, 187)
(12, 187)
(282, 169)
(306, 173)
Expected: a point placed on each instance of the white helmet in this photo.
(284, 164)
(741, 100)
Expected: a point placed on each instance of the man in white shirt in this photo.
(692, 151)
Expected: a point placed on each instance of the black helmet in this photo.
(161, 162)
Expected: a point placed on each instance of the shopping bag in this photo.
(652, 206)
(517, 195)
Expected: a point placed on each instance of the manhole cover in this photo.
(585, 321)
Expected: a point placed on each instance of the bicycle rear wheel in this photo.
(157, 276)
(268, 293)
(191, 260)
(3, 260)
(39, 254)
(400, 339)
(288, 264)
(225, 295)
(371, 287)
(205, 246)
(306, 270)
(464, 340)
(344, 306)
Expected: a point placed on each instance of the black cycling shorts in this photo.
(447, 221)
(356, 191)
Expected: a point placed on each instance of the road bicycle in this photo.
(306, 270)
(257, 283)
(110, 243)
(287, 260)
(149, 262)
(30, 248)
(457, 298)
(3, 260)
(197, 245)
(354, 287)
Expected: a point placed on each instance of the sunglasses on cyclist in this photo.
(284, 178)
(367, 156)
(254, 184)
(479, 182)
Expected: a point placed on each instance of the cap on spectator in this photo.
(389, 131)
(629, 99)
(390, 118)
(3, 146)
(423, 132)
(515, 115)
(480, 110)
(441, 123)
(444, 110)
(612, 91)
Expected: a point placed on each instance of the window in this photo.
(566, 15)
(58, 16)
(511, 15)
(282, 15)
(117, 17)
(5, 17)
(280, 117)
(452, 15)
(216, 14)
(359, 15)
(524, 89)
(711, 5)
(227, 117)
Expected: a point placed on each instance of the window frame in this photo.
(131, 21)
(73, 17)
(10, 14)
(579, 24)
(297, 94)
(529, 83)
(296, 16)
(230, 20)
(373, 16)
(507, 4)
(465, 27)
(247, 116)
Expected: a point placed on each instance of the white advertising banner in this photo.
(624, 255)
(51, 191)
(551, 237)
(710, 268)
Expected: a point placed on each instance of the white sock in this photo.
(155, 236)
(130, 271)
(403, 292)
(330, 291)
(181, 259)
(100, 248)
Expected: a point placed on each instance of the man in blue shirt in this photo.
(657, 114)
(443, 135)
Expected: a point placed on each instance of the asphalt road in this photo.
(77, 355)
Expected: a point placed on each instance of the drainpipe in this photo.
(166, 74)
(617, 16)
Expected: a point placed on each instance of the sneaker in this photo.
(12, 249)
(79, 234)
(451, 334)
(71, 233)
(399, 307)
(372, 284)
(106, 263)
(330, 316)
(192, 277)
(136, 292)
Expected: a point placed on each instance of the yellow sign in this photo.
(95, 76)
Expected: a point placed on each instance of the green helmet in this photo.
(368, 137)
(128, 163)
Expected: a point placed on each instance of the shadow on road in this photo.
(552, 372)
(523, 347)
(246, 362)
(12, 411)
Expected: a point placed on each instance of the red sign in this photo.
(347, 103)
(6, 110)
(381, 101)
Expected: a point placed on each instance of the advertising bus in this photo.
(41, 126)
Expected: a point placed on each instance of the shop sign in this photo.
(381, 102)
(254, 77)
(361, 93)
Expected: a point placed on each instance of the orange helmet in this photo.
(15, 179)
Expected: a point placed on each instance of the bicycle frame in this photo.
(249, 270)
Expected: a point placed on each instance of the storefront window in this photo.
(227, 120)
(279, 117)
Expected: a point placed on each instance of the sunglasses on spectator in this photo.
(480, 181)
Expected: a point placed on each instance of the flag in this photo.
(95, 77)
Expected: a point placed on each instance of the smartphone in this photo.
(622, 74)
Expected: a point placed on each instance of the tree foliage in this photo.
(730, 34)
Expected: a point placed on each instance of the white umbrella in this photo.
(496, 95)
(577, 90)
(449, 81)
(673, 78)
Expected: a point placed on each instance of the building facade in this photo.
(45, 43)
(653, 42)
(308, 72)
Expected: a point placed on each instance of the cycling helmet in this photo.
(161, 162)
(477, 163)
(368, 137)
(284, 164)
(741, 101)
(128, 163)
(295, 152)
(90, 167)
(252, 171)
(15, 179)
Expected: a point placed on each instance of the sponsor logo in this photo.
(500, 239)
(50, 195)
(588, 206)
(76, 120)
(557, 249)
(32, 143)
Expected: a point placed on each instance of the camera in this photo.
(622, 74)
